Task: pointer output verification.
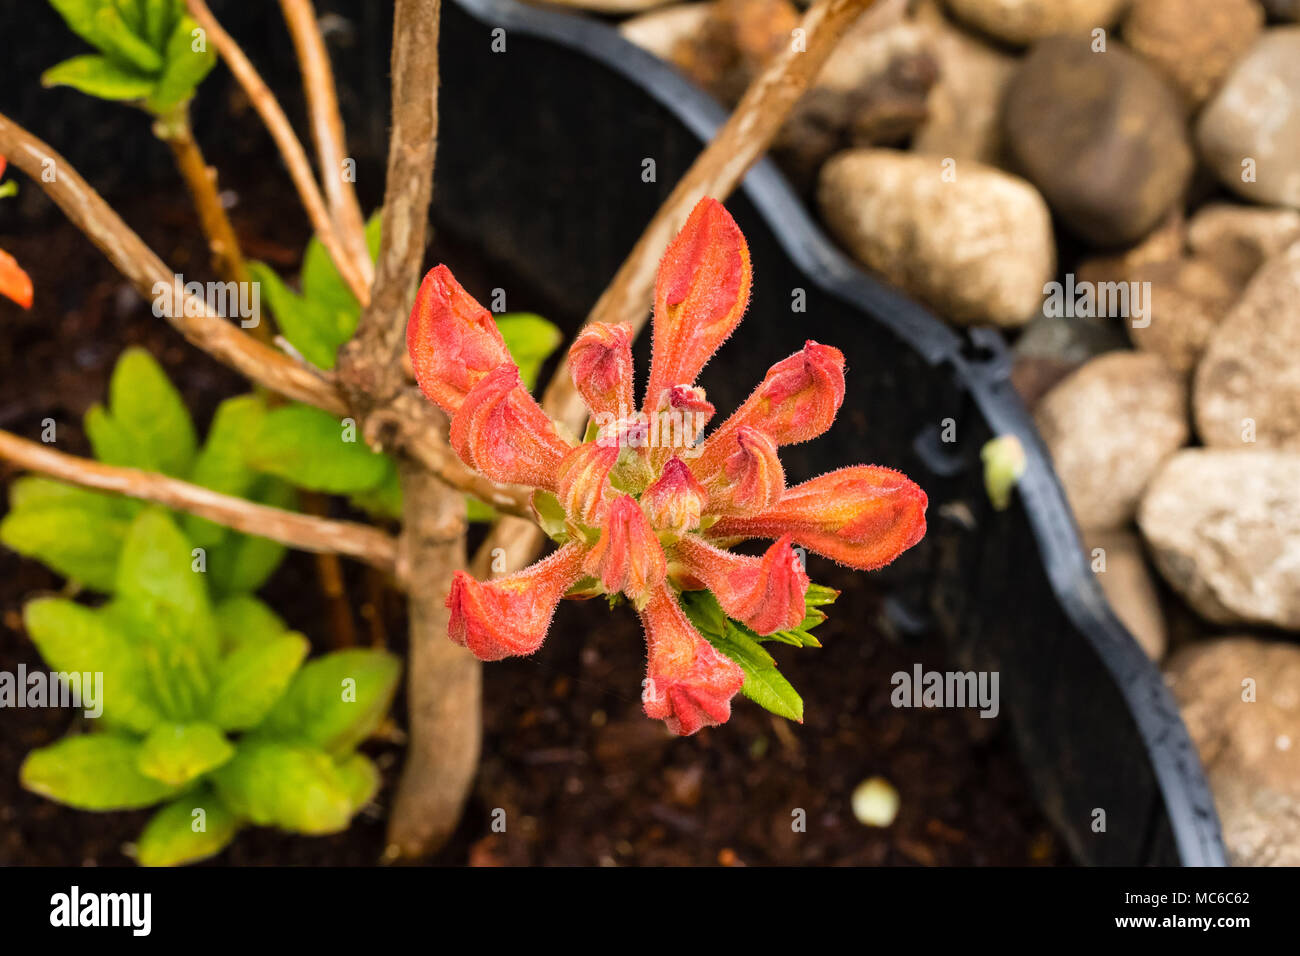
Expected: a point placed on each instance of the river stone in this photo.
(1024, 21)
(1240, 238)
(659, 31)
(1193, 42)
(1100, 134)
(1185, 301)
(963, 116)
(1247, 386)
(1109, 426)
(1255, 117)
(1224, 530)
(1240, 700)
(1128, 585)
(978, 247)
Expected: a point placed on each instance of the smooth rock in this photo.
(1024, 21)
(1247, 387)
(661, 30)
(1283, 9)
(977, 246)
(965, 105)
(1186, 299)
(1250, 748)
(1240, 238)
(1193, 42)
(1223, 528)
(1109, 426)
(1129, 586)
(1249, 133)
(1101, 135)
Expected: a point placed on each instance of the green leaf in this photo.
(531, 340)
(92, 772)
(73, 535)
(102, 26)
(245, 621)
(158, 19)
(252, 678)
(335, 701)
(177, 834)
(361, 779)
(764, 684)
(157, 574)
(476, 510)
(322, 283)
(243, 562)
(292, 787)
(220, 464)
(99, 76)
(309, 326)
(35, 491)
(183, 68)
(385, 499)
(306, 446)
(178, 753)
(147, 425)
(73, 638)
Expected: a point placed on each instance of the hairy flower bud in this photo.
(688, 684)
(583, 482)
(501, 431)
(750, 479)
(700, 295)
(510, 616)
(674, 500)
(627, 557)
(600, 362)
(864, 517)
(765, 594)
(454, 342)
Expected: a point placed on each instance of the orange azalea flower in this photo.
(649, 509)
(14, 282)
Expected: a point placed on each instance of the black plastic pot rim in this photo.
(980, 363)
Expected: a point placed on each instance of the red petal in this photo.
(501, 431)
(14, 282)
(673, 502)
(454, 342)
(765, 594)
(600, 361)
(688, 684)
(510, 616)
(864, 516)
(796, 401)
(627, 557)
(700, 296)
(750, 479)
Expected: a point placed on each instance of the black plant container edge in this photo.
(979, 362)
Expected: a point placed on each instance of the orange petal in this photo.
(796, 401)
(750, 479)
(864, 516)
(700, 295)
(454, 342)
(688, 684)
(627, 558)
(510, 616)
(14, 282)
(501, 431)
(600, 361)
(674, 500)
(583, 482)
(765, 594)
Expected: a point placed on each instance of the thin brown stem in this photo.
(716, 172)
(303, 532)
(329, 574)
(327, 131)
(286, 141)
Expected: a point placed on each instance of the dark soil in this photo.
(582, 775)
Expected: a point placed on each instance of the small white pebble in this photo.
(1283, 742)
(875, 802)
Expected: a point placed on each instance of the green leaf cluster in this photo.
(151, 52)
(764, 684)
(208, 708)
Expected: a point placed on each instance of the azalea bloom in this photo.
(644, 507)
(14, 282)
